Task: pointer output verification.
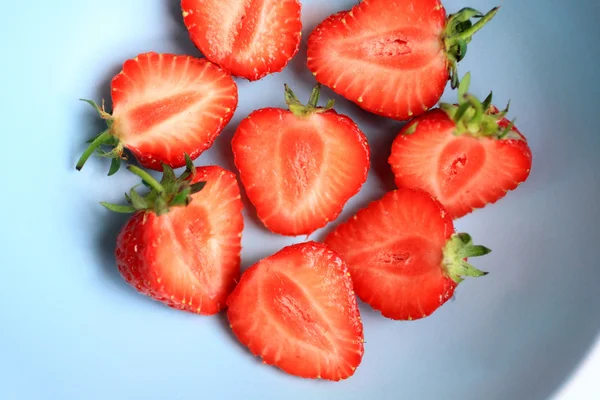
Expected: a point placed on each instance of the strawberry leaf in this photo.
(106, 139)
(171, 191)
(198, 186)
(458, 248)
(301, 110)
(114, 166)
(137, 201)
(119, 208)
(458, 34)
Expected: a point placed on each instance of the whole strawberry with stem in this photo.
(393, 57)
(182, 245)
(403, 255)
(468, 154)
(164, 105)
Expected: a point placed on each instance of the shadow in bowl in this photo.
(180, 35)
(89, 117)
(106, 244)
(225, 158)
(224, 323)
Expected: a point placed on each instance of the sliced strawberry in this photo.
(300, 167)
(392, 57)
(187, 257)
(297, 310)
(402, 254)
(164, 106)
(465, 162)
(249, 38)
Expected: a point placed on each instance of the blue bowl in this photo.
(70, 328)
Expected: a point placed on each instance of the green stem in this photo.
(480, 24)
(99, 141)
(146, 177)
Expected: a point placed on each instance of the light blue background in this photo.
(70, 328)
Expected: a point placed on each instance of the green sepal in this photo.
(137, 201)
(411, 129)
(182, 198)
(115, 164)
(478, 119)
(168, 174)
(301, 110)
(189, 164)
(169, 192)
(459, 247)
(198, 186)
(458, 34)
(122, 209)
(106, 139)
(160, 206)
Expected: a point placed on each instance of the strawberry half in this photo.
(248, 38)
(300, 166)
(182, 245)
(392, 57)
(467, 155)
(164, 106)
(402, 254)
(297, 310)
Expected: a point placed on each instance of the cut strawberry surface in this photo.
(165, 106)
(392, 57)
(300, 166)
(402, 254)
(187, 257)
(297, 310)
(466, 158)
(248, 38)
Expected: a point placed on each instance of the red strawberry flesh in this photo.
(297, 310)
(249, 38)
(299, 171)
(394, 251)
(462, 171)
(166, 105)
